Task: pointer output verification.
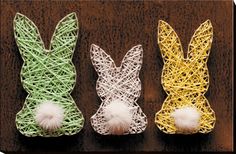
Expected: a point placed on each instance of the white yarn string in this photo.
(118, 83)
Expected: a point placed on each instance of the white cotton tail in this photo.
(186, 119)
(118, 117)
(49, 115)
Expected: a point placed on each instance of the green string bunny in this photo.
(48, 76)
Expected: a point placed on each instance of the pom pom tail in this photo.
(186, 119)
(49, 115)
(118, 116)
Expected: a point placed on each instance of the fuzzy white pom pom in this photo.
(186, 119)
(49, 115)
(118, 117)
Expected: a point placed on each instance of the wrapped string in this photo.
(48, 75)
(185, 80)
(118, 85)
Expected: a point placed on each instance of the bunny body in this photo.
(185, 80)
(118, 84)
(48, 76)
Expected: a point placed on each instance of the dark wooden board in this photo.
(116, 27)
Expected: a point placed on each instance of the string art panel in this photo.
(48, 76)
(118, 88)
(185, 80)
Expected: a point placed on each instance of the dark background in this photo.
(117, 27)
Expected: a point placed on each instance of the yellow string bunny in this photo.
(185, 80)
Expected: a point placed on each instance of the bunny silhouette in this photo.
(119, 88)
(48, 76)
(185, 80)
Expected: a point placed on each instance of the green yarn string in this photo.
(48, 74)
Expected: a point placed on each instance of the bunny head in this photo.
(43, 61)
(49, 77)
(185, 74)
(119, 88)
(185, 80)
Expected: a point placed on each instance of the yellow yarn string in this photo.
(185, 80)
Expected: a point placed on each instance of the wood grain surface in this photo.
(116, 26)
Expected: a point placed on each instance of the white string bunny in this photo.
(119, 88)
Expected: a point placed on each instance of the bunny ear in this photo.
(101, 61)
(65, 36)
(200, 44)
(169, 42)
(129, 81)
(27, 37)
(132, 61)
